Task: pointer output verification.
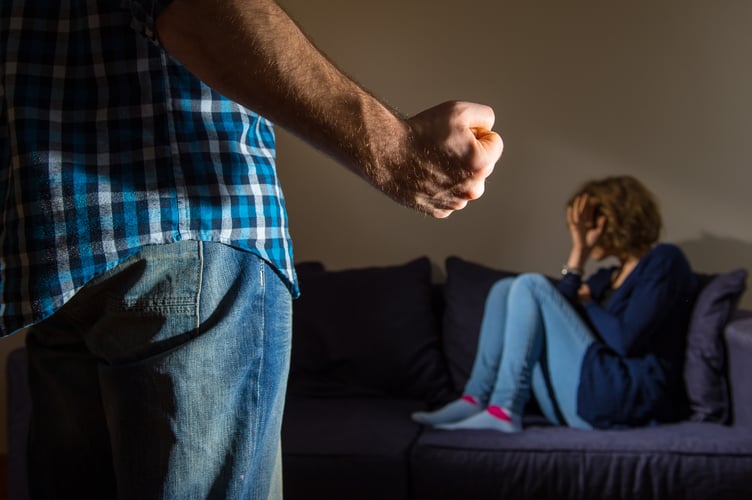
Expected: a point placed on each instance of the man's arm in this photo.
(253, 53)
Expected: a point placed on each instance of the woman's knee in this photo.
(500, 289)
(531, 281)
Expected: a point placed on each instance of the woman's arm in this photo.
(253, 53)
(585, 230)
(628, 323)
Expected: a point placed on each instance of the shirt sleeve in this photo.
(600, 281)
(144, 14)
(569, 284)
(651, 297)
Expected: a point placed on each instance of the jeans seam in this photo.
(519, 399)
(571, 314)
(199, 285)
(262, 338)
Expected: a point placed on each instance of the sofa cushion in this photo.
(467, 284)
(19, 415)
(368, 332)
(347, 447)
(705, 364)
(687, 460)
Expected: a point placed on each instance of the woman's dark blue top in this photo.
(632, 375)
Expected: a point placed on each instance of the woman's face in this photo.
(599, 253)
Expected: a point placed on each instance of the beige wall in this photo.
(660, 90)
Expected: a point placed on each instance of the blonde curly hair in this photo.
(633, 219)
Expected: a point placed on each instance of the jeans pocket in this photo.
(148, 304)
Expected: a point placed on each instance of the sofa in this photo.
(371, 345)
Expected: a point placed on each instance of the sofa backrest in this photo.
(383, 332)
(738, 335)
(368, 332)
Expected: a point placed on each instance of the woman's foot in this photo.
(455, 411)
(495, 418)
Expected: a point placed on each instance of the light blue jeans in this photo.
(164, 378)
(530, 338)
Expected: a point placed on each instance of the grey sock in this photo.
(451, 412)
(485, 420)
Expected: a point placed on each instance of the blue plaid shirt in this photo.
(107, 144)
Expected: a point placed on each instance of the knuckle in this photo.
(476, 191)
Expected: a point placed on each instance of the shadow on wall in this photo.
(713, 254)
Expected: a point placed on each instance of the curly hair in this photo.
(633, 219)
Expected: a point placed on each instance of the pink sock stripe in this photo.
(500, 413)
(470, 399)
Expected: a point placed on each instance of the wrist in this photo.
(577, 258)
(384, 141)
(573, 270)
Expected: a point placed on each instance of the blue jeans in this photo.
(163, 378)
(530, 338)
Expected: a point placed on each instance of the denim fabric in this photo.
(164, 378)
(531, 338)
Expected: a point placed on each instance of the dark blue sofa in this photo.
(372, 345)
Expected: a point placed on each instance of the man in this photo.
(144, 237)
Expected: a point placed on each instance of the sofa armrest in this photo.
(738, 334)
(19, 414)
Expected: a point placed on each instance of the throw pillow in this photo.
(705, 364)
(465, 290)
(368, 332)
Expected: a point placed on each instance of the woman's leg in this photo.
(490, 349)
(490, 346)
(536, 313)
(543, 395)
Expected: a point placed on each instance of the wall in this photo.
(581, 89)
(659, 90)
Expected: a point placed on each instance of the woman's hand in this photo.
(585, 229)
(583, 294)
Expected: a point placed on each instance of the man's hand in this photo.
(446, 154)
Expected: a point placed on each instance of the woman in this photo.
(605, 352)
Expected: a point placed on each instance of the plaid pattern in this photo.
(107, 144)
